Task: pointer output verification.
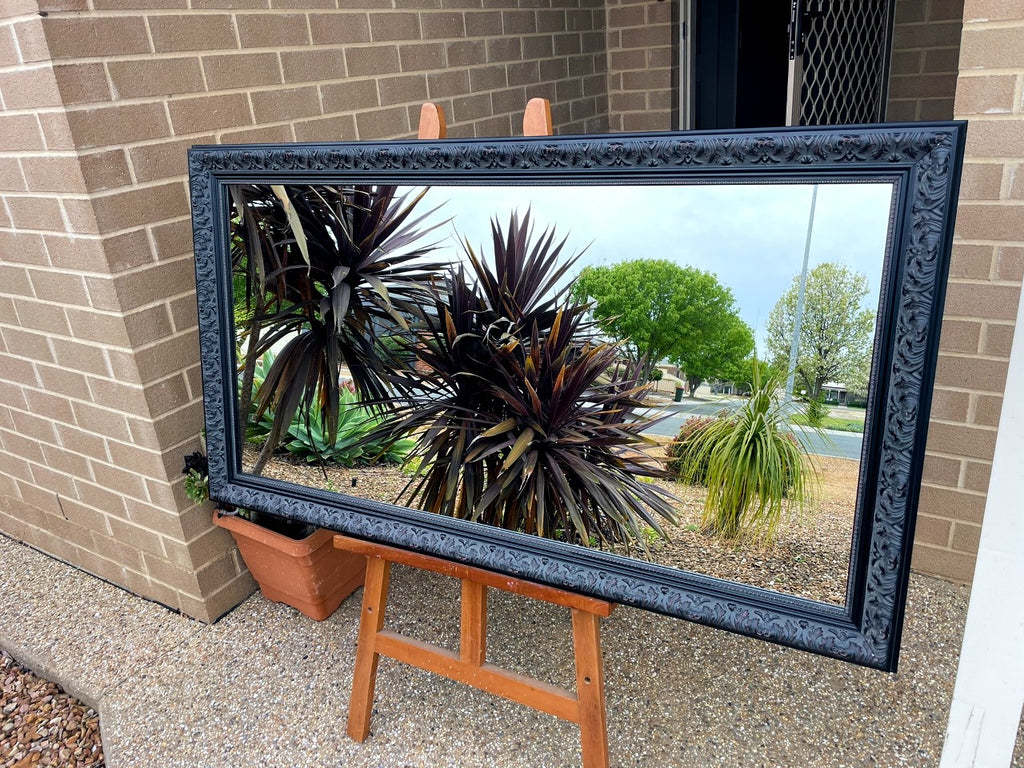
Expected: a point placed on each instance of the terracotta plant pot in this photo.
(308, 574)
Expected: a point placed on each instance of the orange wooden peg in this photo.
(537, 118)
(432, 123)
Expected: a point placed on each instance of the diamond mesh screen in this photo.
(846, 57)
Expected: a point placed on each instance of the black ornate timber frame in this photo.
(921, 160)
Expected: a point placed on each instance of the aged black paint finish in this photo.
(921, 160)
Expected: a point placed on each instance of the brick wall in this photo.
(99, 378)
(641, 75)
(984, 288)
(925, 50)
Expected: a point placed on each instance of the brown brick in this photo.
(135, 207)
(906, 63)
(941, 470)
(35, 213)
(53, 173)
(79, 356)
(373, 60)
(446, 24)
(966, 537)
(339, 28)
(312, 66)
(951, 503)
(241, 70)
(268, 134)
(155, 77)
(66, 382)
(75, 37)
(382, 123)
(230, 4)
(148, 285)
(924, 86)
(192, 32)
(173, 239)
(136, 537)
(927, 35)
(949, 406)
(394, 26)
(206, 113)
(997, 339)
(451, 83)
(471, 107)
(1010, 263)
(81, 442)
(992, 10)
(167, 395)
(119, 124)
(33, 427)
(126, 251)
(24, 248)
(11, 177)
(990, 48)
(961, 440)
(943, 563)
(278, 30)
(21, 133)
(47, 316)
(981, 181)
(977, 475)
(901, 111)
(96, 326)
(406, 88)
(84, 516)
(991, 94)
(81, 219)
(166, 357)
(107, 169)
(165, 160)
(973, 262)
(990, 301)
(942, 60)
(933, 530)
(936, 109)
(100, 497)
(987, 409)
(29, 88)
(50, 406)
(970, 372)
(995, 138)
(421, 57)
(59, 287)
(8, 49)
(503, 49)
(466, 52)
(269, 106)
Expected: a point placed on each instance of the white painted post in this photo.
(989, 692)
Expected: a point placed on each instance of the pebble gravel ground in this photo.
(41, 725)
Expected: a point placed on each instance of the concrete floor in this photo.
(265, 686)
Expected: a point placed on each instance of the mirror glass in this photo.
(691, 291)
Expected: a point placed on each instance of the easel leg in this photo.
(586, 635)
(371, 621)
(473, 645)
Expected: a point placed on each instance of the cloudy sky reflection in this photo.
(750, 235)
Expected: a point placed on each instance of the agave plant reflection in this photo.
(327, 272)
(523, 418)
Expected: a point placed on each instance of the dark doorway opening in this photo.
(741, 63)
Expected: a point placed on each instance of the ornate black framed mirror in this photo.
(350, 278)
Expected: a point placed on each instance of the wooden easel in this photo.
(585, 706)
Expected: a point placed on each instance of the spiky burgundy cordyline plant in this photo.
(328, 270)
(518, 422)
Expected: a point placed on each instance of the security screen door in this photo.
(754, 63)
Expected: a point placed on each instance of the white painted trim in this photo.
(989, 693)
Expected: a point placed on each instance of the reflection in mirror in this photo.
(584, 363)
